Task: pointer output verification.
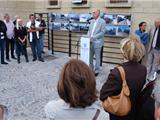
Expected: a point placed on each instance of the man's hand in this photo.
(40, 28)
(31, 30)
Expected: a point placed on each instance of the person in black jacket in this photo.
(132, 50)
(3, 30)
(41, 32)
(146, 103)
(21, 42)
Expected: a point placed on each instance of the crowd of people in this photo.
(77, 83)
(78, 96)
(13, 38)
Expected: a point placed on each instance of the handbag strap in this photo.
(96, 115)
(125, 87)
(123, 75)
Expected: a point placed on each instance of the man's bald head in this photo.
(96, 13)
(157, 22)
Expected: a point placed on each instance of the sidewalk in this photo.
(25, 88)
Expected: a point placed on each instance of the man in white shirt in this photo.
(96, 33)
(33, 27)
(9, 36)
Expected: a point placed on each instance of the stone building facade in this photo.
(140, 10)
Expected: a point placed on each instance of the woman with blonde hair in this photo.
(77, 90)
(133, 51)
(21, 40)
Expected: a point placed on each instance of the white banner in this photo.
(85, 49)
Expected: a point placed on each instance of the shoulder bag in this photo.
(119, 105)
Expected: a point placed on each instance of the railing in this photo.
(67, 42)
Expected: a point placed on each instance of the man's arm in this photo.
(44, 23)
(88, 33)
(144, 37)
(31, 30)
(140, 34)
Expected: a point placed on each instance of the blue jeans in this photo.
(41, 39)
(36, 50)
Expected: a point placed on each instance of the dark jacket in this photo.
(146, 103)
(21, 32)
(43, 25)
(3, 28)
(135, 77)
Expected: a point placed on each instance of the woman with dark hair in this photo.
(77, 90)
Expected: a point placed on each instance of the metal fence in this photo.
(68, 42)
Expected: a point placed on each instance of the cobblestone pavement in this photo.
(25, 88)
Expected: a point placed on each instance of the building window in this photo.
(118, 3)
(53, 4)
(80, 3)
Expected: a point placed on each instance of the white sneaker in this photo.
(154, 76)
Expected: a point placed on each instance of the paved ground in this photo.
(25, 88)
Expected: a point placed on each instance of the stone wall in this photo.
(141, 10)
(17, 7)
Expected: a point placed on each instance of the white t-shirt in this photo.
(94, 26)
(10, 29)
(30, 33)
(59, 110)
